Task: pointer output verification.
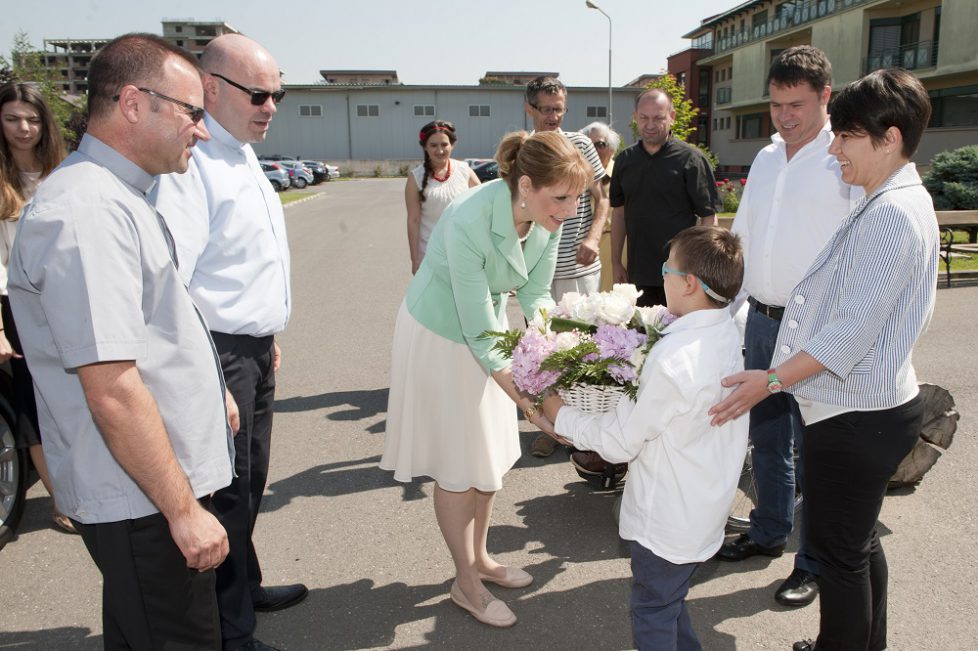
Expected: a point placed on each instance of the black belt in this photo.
(770, 311)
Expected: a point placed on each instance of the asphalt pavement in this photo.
(369, 549)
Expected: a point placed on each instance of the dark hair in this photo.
(802, 64)
(48, 152)
(548, 85)
(880, 100)
(428, 130)
(128, 59)
(654, 91)
(714, 255)
(547, 157)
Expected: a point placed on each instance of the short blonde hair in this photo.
(547, 158)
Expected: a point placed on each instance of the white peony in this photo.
(652, 316)
(569, 301)
(615, 309)
(626, 291)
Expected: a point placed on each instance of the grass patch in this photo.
(962, 262)
(289, 197)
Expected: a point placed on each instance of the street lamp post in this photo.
(592, 5)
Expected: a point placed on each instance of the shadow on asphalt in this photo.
(68, 637)
(335, 479)
(364, 615)
(365, 403)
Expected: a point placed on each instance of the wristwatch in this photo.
(774, 385)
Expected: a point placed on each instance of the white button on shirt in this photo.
(787, 214)
(229, 229)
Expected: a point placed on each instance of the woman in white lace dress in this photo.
(432, 185)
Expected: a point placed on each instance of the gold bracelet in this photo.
(530, 412)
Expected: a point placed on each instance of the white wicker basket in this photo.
(592, 399)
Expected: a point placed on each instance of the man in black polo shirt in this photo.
(660, 186)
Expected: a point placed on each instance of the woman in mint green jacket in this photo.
(450, 412)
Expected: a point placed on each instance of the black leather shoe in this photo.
(279, 597)
(743, 547)
(256, 645)
(799, 589)
(804, 645)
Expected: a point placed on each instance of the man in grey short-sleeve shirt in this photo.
(130, 396)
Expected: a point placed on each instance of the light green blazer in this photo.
(474, 259)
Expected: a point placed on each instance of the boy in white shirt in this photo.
(682, 471)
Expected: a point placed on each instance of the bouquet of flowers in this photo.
(590, 348)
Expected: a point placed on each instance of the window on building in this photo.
(478, 110)
(310, 111)
(704, 97)
(750, 126)
(424, 110)
(178, 29)
(368, 110)
(597, 111)
(954, 107)
(727, 126)
(179, 43)
(895, 42)
(724, 95)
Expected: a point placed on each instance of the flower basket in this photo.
(592, 399)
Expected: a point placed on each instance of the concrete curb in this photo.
(303, 200)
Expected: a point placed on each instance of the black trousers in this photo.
(848, 461)
(247, 365)
(150, 598)
(651, 295)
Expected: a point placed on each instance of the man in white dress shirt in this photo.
(793, 202)
(229, 229)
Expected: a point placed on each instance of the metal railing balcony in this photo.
(792, 14)
(911, 56)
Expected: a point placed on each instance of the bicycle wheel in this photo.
(746, 497)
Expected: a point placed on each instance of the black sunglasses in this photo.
(600, 144)
(195, 113)
(258, 97)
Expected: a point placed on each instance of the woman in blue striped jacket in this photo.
(844, 352)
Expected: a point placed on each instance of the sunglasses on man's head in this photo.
(258, 97)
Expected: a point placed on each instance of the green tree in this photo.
(26, 65)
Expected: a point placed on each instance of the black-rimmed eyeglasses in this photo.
(258, 97)
(195, 113)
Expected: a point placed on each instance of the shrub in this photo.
(379, 171)
(953, 179)
(403, 170)
(730, 194)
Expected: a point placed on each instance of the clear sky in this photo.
(426, 41)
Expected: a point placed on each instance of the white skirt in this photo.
(446, 417)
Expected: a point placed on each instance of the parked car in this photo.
(15, 466)
(332, 170)
(299, 176)
(475, 162)
(319, 171)
(276, 175)
(487, 171)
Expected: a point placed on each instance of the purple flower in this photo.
(527, 357)
(615, 341)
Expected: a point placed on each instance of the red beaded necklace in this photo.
(448, 172)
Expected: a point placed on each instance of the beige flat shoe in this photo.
(496, 613)
(514, 578)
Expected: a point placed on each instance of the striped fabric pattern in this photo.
(576, 228)
(866, 299)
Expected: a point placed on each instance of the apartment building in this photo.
(932, 38)
(193, 34)
(69, 58)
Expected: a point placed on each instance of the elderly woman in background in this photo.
(432, 185)
(844, 352)
(450, 413)
(30, 148)
(606, 141)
